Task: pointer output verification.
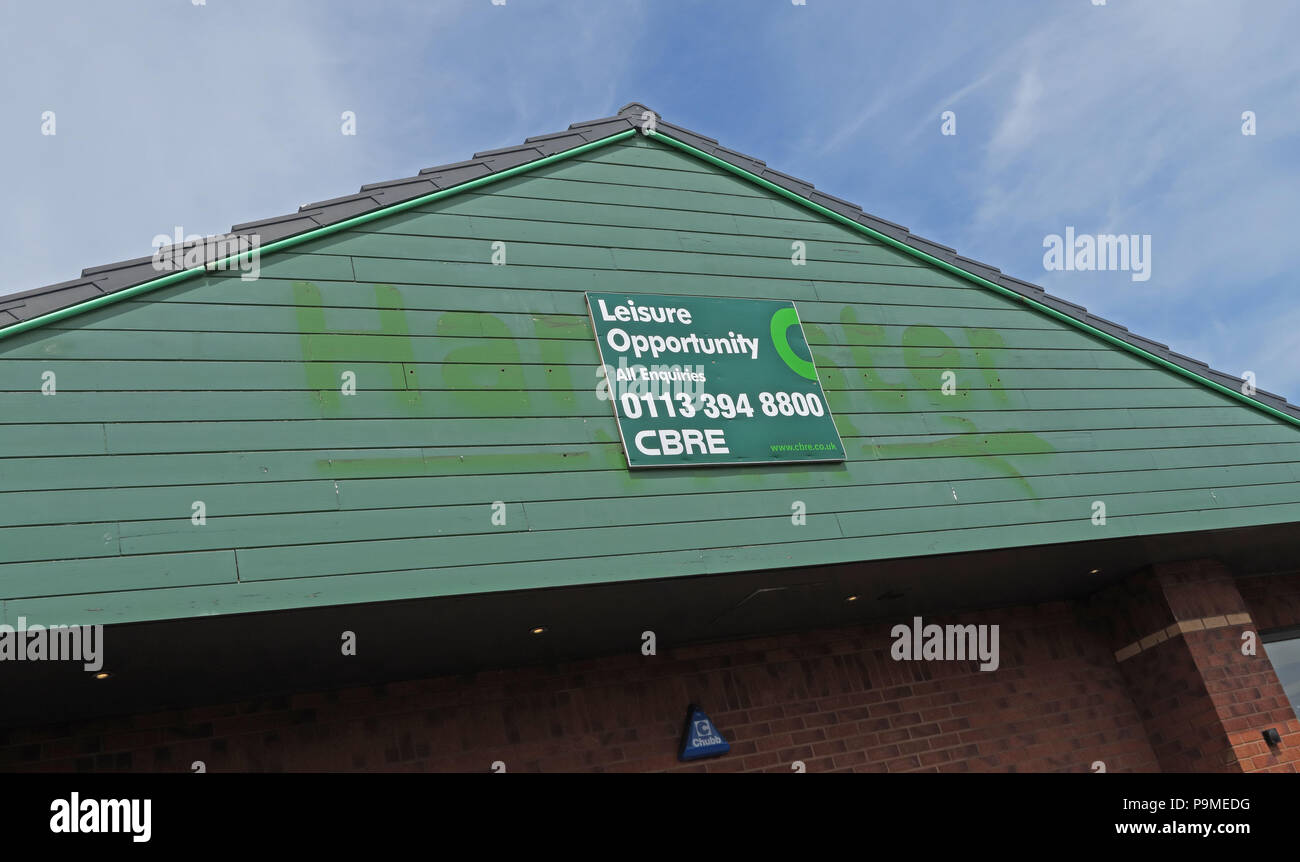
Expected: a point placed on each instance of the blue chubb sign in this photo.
(701, 738)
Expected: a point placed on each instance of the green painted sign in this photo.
(711, 380)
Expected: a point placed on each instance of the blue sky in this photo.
(1118, 118)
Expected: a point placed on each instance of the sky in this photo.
(1116, 117)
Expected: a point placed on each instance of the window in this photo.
(1283, 650)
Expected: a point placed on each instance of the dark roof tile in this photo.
(1187, 360)
(1062, 305)
(397, 194)
(36, 303)
(627, 121)
(1110, 327)
(9, 299)
(437, 169)
(637, 109)
(832, 202)
(787, 182)
(483, 154)
(686, 136)
(895, 226)
(597, 131)
(930, 247)
(275, 230)
(125, 264)
(299, 221)
(888, 228)
(740, 160)
(983, 270)
(1020, 285)
(1277, 402)
(548, 148)
(404, 181)
(1147, 344)
(567, 137)
(513, 159)
(461, 174)
(111, 282)
(333, 201)
(346, 209)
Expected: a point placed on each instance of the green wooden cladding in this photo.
(477, 385)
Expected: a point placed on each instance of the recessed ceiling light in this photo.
(1095, 572)
(537, 630)
(103, 675)
(851, 599)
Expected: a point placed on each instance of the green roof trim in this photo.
(298, 239)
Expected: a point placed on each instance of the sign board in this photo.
(700, 738)
(700, 380)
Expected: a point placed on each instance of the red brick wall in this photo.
(833, 699)
(1247, 698)
(1274, 600)
(1182, 725)
(1204, 702)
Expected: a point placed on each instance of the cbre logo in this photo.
(782, 320)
